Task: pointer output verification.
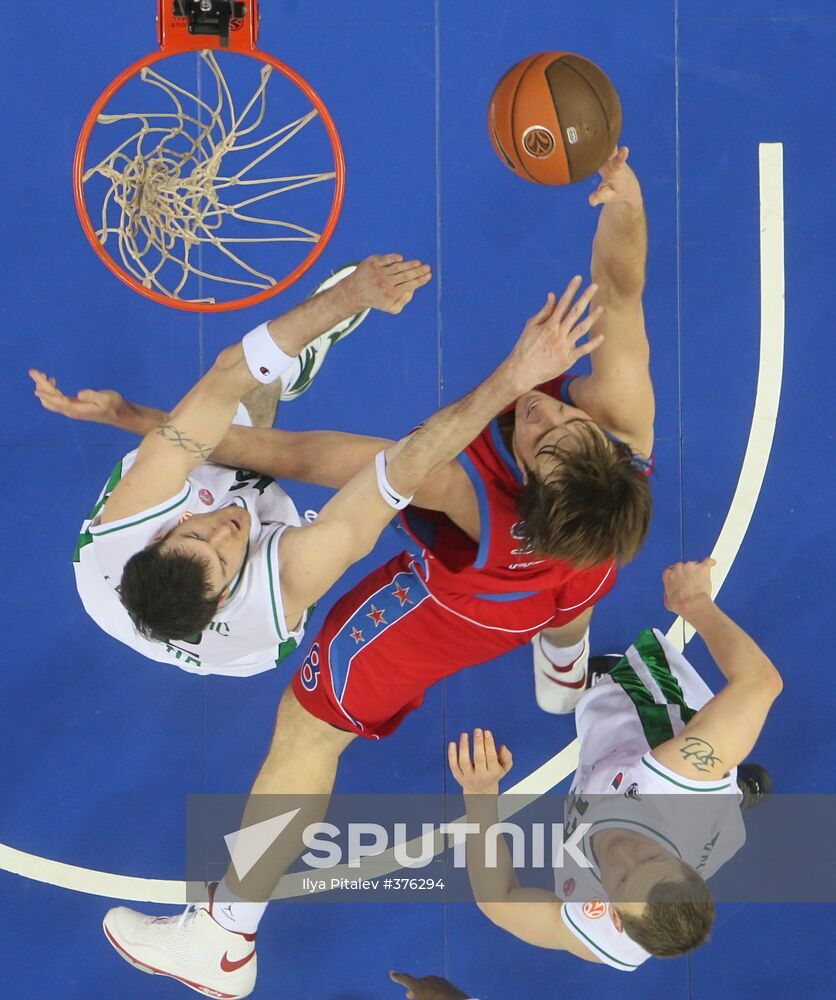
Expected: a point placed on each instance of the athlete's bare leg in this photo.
(570, 633)
(298, 773)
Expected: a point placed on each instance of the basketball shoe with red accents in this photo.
(558, 688)
(192, 948)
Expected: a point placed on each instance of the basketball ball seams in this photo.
(563, 143)
(593, 88)
(520, 160)
(536, 125)
(495, 132)
(554, 118)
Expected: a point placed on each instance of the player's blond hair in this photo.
(595, 506)
(677, 918)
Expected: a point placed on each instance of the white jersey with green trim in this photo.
(646, 699)
(248, 634)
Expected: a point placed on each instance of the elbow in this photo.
(775, 681)
(496, 912)
(228, 358)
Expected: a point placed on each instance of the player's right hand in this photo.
(480, 774)
(549, 345)
(387, 282)
(98, 405)
(427, 987)
(687, 584)
(618, 182)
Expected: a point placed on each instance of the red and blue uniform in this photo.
(446, 603)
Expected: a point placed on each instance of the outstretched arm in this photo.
(323, 458)
(619, 393)
(187, 437)
(316, 556)
(722, 734)
(532, 915)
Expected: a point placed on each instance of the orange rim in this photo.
(250, 300)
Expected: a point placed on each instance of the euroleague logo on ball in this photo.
(538, 141)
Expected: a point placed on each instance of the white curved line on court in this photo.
(545, 777)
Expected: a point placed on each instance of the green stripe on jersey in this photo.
(654, 719)
(85, 538)
(141, 520)
(653, 655)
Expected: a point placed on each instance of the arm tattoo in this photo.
(699, 753)
(169, 432)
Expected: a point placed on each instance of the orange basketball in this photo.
(554, 118)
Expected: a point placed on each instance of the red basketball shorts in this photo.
(388, 640)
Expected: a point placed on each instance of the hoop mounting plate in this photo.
(186, 25)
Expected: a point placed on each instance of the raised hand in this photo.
(549, 343)
(618, 182)
(481, 773)
(387, 282)
(100, 406)
(687, 585)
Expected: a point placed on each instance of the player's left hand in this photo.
(427, 987)
(618, 182)
(387, 282)
(480, 774)
(548, 345)
(100, 406)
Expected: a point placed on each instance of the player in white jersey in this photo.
(207, 567)
(248, 632)
(656, 787)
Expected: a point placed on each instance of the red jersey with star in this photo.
(495, 579)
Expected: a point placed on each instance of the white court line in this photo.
(545, 777)
(770, 372)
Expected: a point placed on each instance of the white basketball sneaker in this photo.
(191, 948)
(312, 356)
(558, 689)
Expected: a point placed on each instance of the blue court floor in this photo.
(100, 748)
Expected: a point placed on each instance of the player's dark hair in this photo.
(677, 918)
(595, 506)
(167, 594)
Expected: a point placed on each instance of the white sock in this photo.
(236, 914)
(561, 656)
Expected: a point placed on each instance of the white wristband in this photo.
(264, 358)
(390, 495)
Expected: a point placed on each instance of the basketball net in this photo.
(168, 196)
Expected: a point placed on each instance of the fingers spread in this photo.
(547, 309)
(591, 345)
(565, 299)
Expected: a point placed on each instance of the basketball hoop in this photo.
(196, 199)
